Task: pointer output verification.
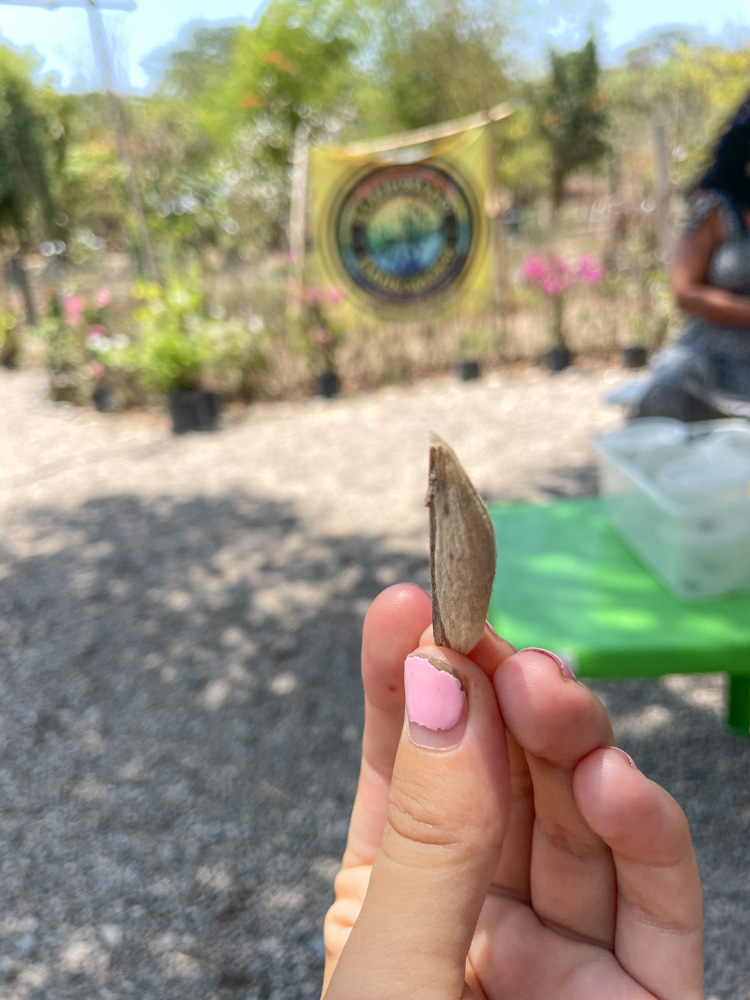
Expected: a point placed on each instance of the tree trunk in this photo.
(20, 279)
(558, 190)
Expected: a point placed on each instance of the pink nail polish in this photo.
(435, 703)
(627, 756)
(563, 666)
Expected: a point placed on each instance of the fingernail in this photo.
(489, 626)
(435, 703)
(562, 665)
(627, 757)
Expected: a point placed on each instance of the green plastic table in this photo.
(565, 581)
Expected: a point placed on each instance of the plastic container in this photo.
(681, 502)
(648, 441)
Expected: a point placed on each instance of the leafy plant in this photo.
(8, 338)
(173, 351)
(238, 353)
(321, 336)
(473, 343)
(572, 116)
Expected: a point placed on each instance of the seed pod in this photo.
(462, 552)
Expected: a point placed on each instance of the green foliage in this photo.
(524, 162)
(444, 59)
(27, 211)
(181, 345)
(473, 344)
(172, 351)
(571, 115)
(692, 90)
(9, 343)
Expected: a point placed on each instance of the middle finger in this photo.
(558, 721)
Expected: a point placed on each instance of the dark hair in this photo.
(731, 155)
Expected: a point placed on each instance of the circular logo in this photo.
(405, 233)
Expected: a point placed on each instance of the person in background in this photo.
(705, 373)
(500, 846)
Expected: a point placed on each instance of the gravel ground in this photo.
(180, 704)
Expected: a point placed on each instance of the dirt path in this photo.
(179, 693)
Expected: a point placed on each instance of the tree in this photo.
(441, 59)
(572, 116)
(198, 65)
(27, 210)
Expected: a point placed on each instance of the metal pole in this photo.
(101, 48)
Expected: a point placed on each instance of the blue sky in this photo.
(61, 36)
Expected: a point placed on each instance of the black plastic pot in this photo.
(329, 384)
(634, 357)
(468, 370)
(103, 399)
(193, 410)
(558, 358)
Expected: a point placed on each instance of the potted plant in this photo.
(552, 276)
(323, 337)
(65, 351)
(635, 355)
(472, 344)
(9, 344)
(174, 352)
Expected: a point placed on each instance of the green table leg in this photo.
(738, 716)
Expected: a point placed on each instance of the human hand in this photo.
(528, 861)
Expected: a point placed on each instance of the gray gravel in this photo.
(180, 705)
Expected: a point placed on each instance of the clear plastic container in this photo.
(729, 446)
(704, 478)
(682, 506)
(646, 441)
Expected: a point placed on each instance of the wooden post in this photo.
(494, 210)
(297, 221)
(662, 188)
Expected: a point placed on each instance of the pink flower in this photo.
(96, 369)
(323, 336)
(290, 256)
(533, 268)
(74, 304)
(589, 270)
(97, 330)
(102, 298)
(335, 295)
(313, 294)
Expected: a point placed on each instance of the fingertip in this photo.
(400, 600)
(633, 814)
(550, 713)
(392, 627)
(489, 652)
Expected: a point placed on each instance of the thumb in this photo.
(446, 820)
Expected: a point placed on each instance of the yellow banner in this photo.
(403, 232)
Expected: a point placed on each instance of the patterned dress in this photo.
(705, 373)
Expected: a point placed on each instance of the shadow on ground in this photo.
(180, 712)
